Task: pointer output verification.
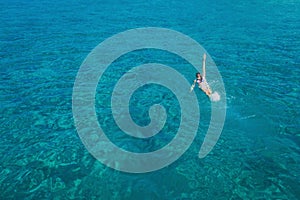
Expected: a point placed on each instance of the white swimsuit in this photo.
(203, 84)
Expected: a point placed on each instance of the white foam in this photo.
(215, 96)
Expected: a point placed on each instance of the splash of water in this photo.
(215, 96)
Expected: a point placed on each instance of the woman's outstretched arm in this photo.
(203, 65)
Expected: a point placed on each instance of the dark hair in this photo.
(200, 76)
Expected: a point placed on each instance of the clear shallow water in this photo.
(256, 48)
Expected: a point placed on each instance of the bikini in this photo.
(200, 80)
(202, 83)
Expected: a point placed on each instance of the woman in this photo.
(202, 83)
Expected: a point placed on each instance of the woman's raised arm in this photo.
(203, 65)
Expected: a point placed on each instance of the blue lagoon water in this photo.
(256, 46)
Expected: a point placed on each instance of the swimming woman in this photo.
(201, 80)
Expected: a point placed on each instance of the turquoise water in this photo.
(256, 46)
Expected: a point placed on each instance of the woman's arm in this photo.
(203, 65)
(193, 85)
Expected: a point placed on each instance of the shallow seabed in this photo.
(256, 46)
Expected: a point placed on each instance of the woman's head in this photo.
(198, 76)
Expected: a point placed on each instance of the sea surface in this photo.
(256, 47)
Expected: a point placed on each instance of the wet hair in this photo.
(198, 73)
